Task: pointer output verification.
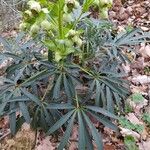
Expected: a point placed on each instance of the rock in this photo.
(125, 132)
(142, 79)
(145, 50)
(132, 118)
(145, 145)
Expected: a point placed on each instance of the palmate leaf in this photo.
(126, 41)
(98, 89)
(30, 96)
(66, 136)
(48, 116)
(105, 121)
(17, 99)
(19, 75)
(25, 113)
(57, 87)
(69, 87)
(117, 99)
(60, 122)
(12, 118)
(59, 106)
(110, 104)
(2, 107)
(42, 120)
(133, 38)
(38, 76)
(82, 139)
(88, 139)
(102, 89)
(101, 111)
(97, 137)
(42, 117)
(122, 91)
(85, 138)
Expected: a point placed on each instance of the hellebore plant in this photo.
(69, 73)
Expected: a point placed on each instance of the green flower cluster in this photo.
(56, 21)
(104, 6)
(35, 18)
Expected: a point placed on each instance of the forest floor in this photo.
(135, 123)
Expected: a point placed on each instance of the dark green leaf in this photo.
(57, 86)
(38, 76)
(66, 136)
(97, 136)
(31, 96)
(60, 106)
(82, 142)
(60, 122)
(105, 121)
(25, 113)
(102, 111)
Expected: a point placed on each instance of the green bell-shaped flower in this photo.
(34, 5)
(34, 29)
(45, 25)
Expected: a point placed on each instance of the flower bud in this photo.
(104, 13)
(34, 29)
(96, 2)
(71, 33)
(75, 39)
(105, 3)
(58, 56)
(60, 41)
(67, 17)
(79, 42)
(68, 43)
(28, 13)
(34, 5)
(23, 26)
(70, 4)
(66, 9)
(76, 5)
(45, 25)
(45, 10)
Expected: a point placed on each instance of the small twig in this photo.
(35, 139)
(2, 137)
(46, 91)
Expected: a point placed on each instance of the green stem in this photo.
(84, 70)
(77, 101)
(60, 16)
(48, 87)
